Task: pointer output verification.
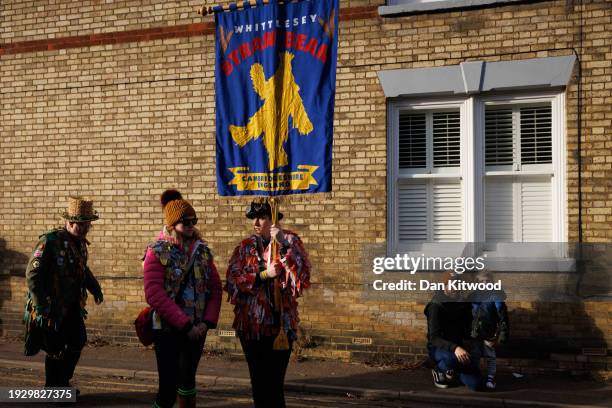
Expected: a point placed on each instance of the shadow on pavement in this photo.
(543, 388)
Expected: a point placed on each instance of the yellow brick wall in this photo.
(43, 19)
(120, 123)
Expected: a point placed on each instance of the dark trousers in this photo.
(70, 340)
(177, 363)
(469, 374)
(267, 368)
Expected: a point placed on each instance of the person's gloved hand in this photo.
(276, 232)
(99, 298)
(273, 270)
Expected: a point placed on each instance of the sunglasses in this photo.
(188, 222)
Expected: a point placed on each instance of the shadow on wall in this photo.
(552, 327)
(559, 322)
(12, 263)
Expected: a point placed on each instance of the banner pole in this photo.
(281, 342)
(205, 10)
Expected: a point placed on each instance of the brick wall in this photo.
(121, 116)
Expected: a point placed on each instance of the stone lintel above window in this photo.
(403, 7)
(474, 77)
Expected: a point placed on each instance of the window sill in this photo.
(496, 263)
(529, 257)
(501, 257)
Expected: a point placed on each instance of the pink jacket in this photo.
(157, 297)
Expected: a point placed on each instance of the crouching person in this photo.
(448, 330)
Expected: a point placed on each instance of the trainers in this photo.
(450, 375)
(439, 379)
(490, 384)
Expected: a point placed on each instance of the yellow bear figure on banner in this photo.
(282, 99)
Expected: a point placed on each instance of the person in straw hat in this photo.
(58, 280)
(264, 287)
(183, 288)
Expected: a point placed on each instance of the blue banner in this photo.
(275, 83)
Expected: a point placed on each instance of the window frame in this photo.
(430, 170)
(397, 176)
(556, 170)
(473, 172)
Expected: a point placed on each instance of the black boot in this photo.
(71, 358)
(54, 372)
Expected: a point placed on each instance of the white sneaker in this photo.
(439, 379)
(490, 384)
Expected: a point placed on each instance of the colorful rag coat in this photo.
(182, 285)
(58, 279)
(253, 298)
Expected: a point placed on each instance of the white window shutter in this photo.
(412, 141)
(536, 135)
(499, 139)
(518, 210)
(429, 210)
(536, 210)
(499, 210)
(446, 139)
(412, 211)
(447, 212)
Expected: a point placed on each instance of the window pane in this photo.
(412, 212)
(498, 137)
(536, 209)
(446, 139)
(412, 141)
(430, 211)
(499, 210)
(518, 209)
(447, 212)
(536, 135)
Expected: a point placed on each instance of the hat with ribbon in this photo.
(80, 210)
(261, 209)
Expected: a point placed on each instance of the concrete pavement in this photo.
(334, 379)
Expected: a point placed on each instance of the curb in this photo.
(415, 396)
(428, 397)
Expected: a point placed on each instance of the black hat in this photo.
(258, 209)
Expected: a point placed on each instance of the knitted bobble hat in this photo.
(175, 208)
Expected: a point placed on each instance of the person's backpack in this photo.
(485, 320)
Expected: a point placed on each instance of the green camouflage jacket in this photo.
(57, 275)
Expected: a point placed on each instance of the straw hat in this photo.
(80, 210)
